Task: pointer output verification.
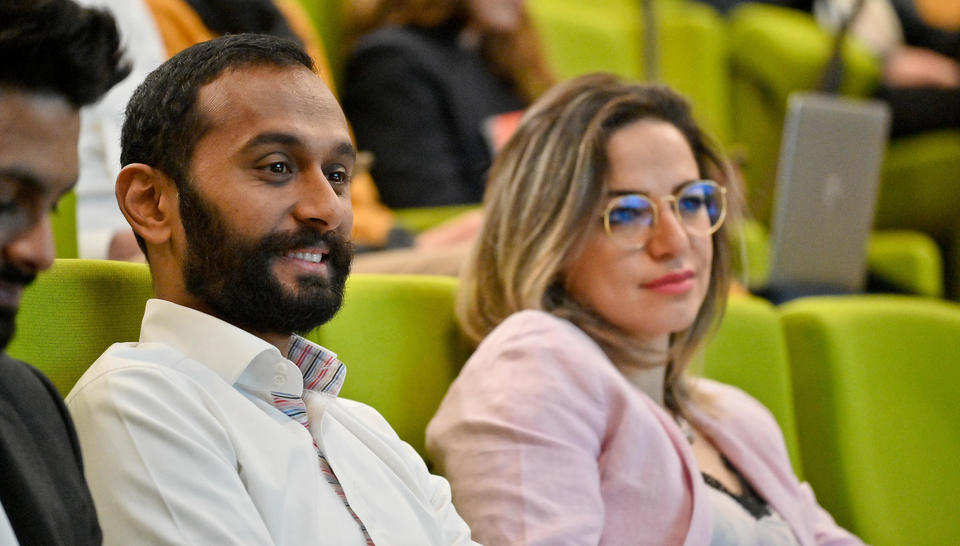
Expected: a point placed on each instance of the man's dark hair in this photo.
(163, 124)
(59, 47)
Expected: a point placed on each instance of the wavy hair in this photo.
(546, 185)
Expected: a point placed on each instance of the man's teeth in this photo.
(307, 256)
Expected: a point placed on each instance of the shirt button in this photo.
(279, 379)
(279, 367)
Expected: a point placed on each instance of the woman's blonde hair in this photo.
(516, 57)
(547, 186)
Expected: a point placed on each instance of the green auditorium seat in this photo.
(874, 381)
(64, 224)
(329, 20)
(607, 35)
(400, 341)
(910, 260)
(422, 218)
(74, 311)
(750, 351)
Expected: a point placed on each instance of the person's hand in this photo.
(918, 67)
(461, 229)
(124, 247)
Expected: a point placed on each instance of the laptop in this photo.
(826, 190)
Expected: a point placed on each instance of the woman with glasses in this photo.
(600, 269)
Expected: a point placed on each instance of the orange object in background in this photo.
(943, 14)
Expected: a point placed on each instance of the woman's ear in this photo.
(148, 199)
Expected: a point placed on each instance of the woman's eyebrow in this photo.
(620, 193)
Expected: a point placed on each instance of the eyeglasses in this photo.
(700, 206)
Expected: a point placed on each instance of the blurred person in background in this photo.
(600, 270)
(424, 81)
(57, 57)
(921, 63)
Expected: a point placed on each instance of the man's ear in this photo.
(148, 199)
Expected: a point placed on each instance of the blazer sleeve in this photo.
(518, 436)
(826, 532)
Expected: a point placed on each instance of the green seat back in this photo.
(750, 352)
(875, 386)
(909, 259)
(607, 35)
(74, 311)
(64, 224)
(398, 336)
(419, 219)
(329, 20)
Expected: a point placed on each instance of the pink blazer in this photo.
(544, 441)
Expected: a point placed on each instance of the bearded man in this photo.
(221, 425)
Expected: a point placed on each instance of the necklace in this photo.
(685, 427)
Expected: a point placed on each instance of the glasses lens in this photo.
(630, 219)
(700, 206)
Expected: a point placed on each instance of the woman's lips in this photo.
(672, 283)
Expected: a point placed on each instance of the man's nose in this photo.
(319, 204)
(31, 249)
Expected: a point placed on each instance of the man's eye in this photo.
(279, 167)
(337, 177)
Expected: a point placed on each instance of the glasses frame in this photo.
(657, 203)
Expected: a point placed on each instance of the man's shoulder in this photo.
(154, 361)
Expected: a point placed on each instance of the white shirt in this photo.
(7, 536)
(181, 445)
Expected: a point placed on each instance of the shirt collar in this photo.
(321, 370)
(218, 345)
(230, 351)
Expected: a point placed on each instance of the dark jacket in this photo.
(418, 101)
(41, 472)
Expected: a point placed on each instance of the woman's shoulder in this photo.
(728, 403)
(538, 346)
(536, 328)
(738, 415)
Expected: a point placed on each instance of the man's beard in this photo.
(8, 315)
(234, 278)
